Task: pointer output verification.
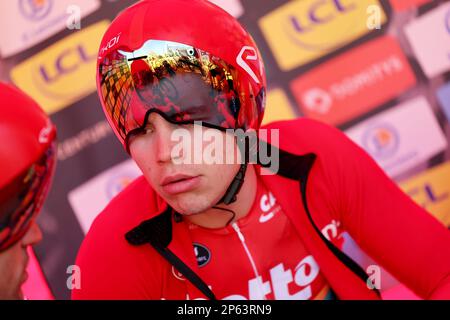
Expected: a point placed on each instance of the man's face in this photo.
(187, 187)
(13, 264)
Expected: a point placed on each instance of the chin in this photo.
(191, 204)
(188, 210)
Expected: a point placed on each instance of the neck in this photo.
(218, 218)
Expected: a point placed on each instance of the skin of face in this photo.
(13, 264)
(152, 152)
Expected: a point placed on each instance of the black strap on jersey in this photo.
(158, 230)
(158, 233)
(298, 167)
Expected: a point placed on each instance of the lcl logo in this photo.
(320, 12)
(64, 72)
(67, 62)
(428, 194)
(299, 32)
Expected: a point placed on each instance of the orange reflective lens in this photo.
(22, 198)
(180, 82)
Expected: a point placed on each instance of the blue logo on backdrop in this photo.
(118, 183)
(381, 141)
(35, 9)
(443, 95)
(447, 21)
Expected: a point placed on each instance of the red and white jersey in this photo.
(271, 252)
(258, 257)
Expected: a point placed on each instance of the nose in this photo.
(33, 235)
(163, 139)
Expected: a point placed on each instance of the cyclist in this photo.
(231, 230)
(27, 159)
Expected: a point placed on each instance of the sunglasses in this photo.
(22, 198)
(181, 83)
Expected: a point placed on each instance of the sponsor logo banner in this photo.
(429, 37)
(431, 190)
(90, 198)
(355, 82)
(401, 137)
(443, 95)
(277, 107)
(28, 22)
(302, 31)
(64, 72)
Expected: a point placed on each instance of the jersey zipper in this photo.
(250, 258)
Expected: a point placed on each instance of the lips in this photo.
(175, 178)
(179, 183)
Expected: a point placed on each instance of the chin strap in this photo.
(235, 185)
